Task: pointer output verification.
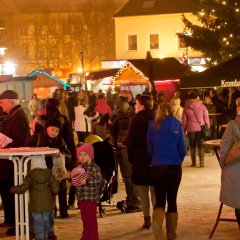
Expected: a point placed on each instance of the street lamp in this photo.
(2, 51)
(83, 79)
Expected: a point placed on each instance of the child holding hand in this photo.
(88, 191)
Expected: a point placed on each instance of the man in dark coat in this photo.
(120, 123)
(16, 127)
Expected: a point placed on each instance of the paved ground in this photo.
(197, 205)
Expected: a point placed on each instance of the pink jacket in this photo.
(189, 121)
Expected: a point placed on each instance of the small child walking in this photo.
(42, 187)
(88, 192)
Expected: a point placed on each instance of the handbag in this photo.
(205, 130)
(233, 155)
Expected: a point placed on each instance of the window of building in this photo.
(23, 30)
(148, 4)
(132, 42)
(154, 41)
(181, 43)
(25, 50)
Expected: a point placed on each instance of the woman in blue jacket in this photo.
(167, 150)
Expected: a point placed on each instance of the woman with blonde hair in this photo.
(166, 147)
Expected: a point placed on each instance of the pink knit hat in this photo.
(87, 148)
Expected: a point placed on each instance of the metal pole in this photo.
(82, 66)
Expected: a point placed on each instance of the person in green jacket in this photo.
(42, 187)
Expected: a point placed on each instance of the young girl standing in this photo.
(88, 192)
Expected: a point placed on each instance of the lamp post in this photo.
(83, 80)
(2, 51)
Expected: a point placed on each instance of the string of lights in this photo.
(216, 33)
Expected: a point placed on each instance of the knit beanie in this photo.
(38, 162)
(53, 123)
(87, 148)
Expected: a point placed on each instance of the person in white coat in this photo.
(177, 109)
(81, 125)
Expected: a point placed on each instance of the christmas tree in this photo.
(217, 33)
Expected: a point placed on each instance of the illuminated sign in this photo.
(234, 83)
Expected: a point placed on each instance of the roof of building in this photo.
(155, 7)
(45, 79)
(160, 69)
(7, 78)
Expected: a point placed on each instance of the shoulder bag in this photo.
(233, 155)
(205, 130)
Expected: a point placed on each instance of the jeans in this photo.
(62, 198)
(41, 224)
(196, 142)
(126, 170)
(71, 195)
(143, 192)
(8, 201)
(51, 223)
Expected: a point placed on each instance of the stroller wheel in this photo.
(121, 205)
(102, 213)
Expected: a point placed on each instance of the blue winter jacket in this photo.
(166, 144)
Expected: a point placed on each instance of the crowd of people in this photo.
(151, 139)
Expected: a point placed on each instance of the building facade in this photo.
(152, 25)
(51, 34)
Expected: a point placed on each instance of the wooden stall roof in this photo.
(46, 80)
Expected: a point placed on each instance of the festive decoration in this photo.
(217, 32)
(65, 85)
(137, 75)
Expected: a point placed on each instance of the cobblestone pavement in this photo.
(197, 206)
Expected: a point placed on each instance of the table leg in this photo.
(26, 196)
(217, 221)
(16, 196)
(220, 219)
(21, 201)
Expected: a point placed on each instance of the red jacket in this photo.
(102, 107)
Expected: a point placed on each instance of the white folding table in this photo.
(21, 157)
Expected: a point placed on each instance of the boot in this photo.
(237, 214)
(193, 157)
(201, 162)
(157, 222)
(171, 224)
(147, 222)
(201, 157)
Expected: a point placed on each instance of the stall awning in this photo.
(99, 74)
(226, 74)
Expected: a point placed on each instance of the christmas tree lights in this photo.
(216, 34)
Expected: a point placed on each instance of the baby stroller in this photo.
(105, 158)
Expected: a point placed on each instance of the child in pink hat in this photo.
(88, 191)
